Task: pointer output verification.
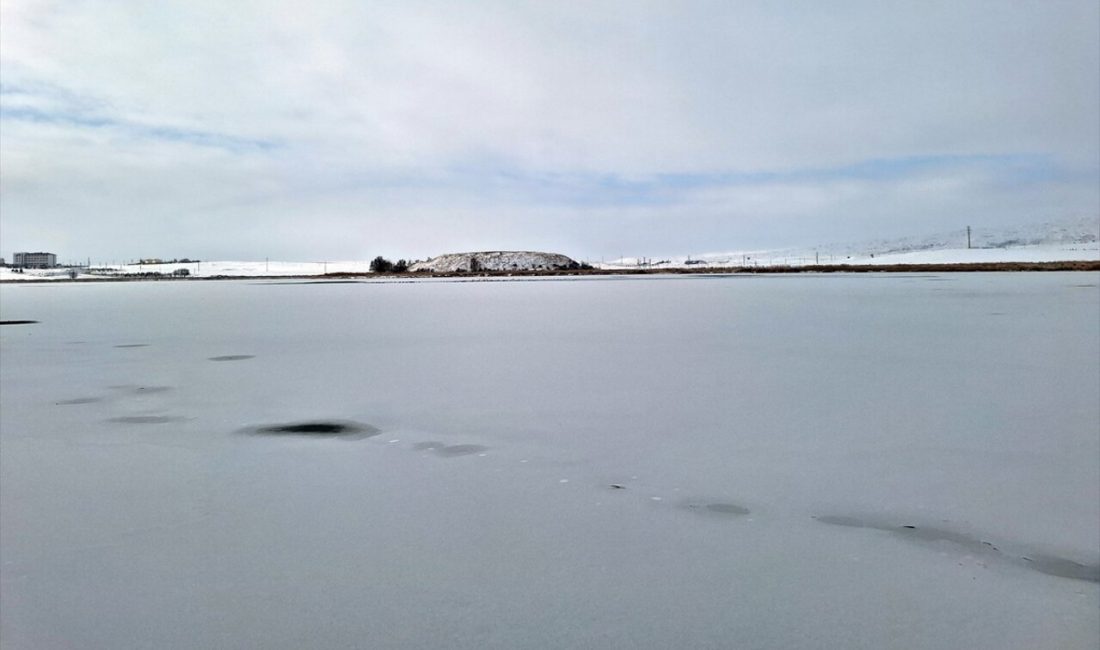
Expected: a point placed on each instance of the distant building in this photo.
(35, 260)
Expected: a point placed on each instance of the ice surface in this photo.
(617, 463)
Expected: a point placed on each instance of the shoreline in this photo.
(962, 267)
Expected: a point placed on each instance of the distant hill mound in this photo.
(496, 261)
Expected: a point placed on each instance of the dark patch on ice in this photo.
(1042, 563)
(318, 429)
(133, 345)
(718, 508)
(232, 357)
(460, 450)
(141, 390)
(1085, 286)
(320, 282)
(841, 521)
(17, 322)
(146, 419)
(449, 451)
(80, 400)
(727, 508)
(617, 486)
(1063, 568)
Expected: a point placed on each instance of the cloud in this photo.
(291, 127)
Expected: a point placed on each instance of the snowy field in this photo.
(1079, 247)
(197, 269)
(839, 461)
(1082, 252)
(1043, 253)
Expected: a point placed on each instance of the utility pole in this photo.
(968, 236)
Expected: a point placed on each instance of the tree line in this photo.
(383, 265)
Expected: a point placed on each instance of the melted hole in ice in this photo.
(79, 400)
(449, 451)
(232, 357)
(1047, 564)
(318, 429)
(17, 322)
(133, 345)
(145, 419)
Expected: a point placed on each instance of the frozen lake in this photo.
(864, 461)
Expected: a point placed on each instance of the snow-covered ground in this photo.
(234, 268)
(1077, 240)
(834, 461)
(1072, 240)
(1040, 253)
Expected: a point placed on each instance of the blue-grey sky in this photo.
(343, 129)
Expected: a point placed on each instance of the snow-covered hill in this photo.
(496, 261)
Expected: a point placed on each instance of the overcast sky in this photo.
(343, 130)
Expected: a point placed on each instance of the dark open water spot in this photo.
(233, 357)
(80, 400)
(17, 322)
(146, 419)
(1047, 564)
(133, 345)
(318, 429)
